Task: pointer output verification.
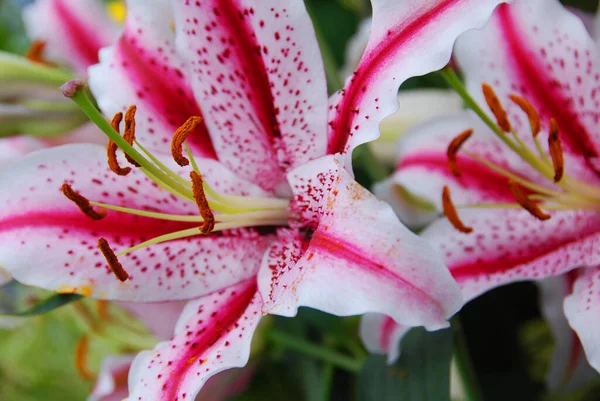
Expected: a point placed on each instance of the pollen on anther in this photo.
(82, 202)
(111, 149)
(453, 149)
(129, 131)
(522, 199)
(532, 114)
(179, 138)
(112, 260)
(451, 213)
(202, 202)
(496, 107)
(556, 151)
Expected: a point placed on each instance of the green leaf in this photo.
(421, 374)
(47, 305)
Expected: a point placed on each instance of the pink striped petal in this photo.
(47, 242)
(382, 335)
(582, 308)
(212, 335)
(539, 50)
(257, 73)
(401, 30)
(142, 68)
(569, 369)
(111, 384)
(511, 245)
(359, 258)
(74, 30)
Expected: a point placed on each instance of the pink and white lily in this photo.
(544, 69)
(260, 215)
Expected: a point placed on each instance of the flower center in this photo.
(216, 211)
(559, 191)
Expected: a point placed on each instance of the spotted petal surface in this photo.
(143, 68)
(511, 245)
(213, 334)
(74, 30)
(256, 71)
(408, 38)
(47, 242)
(359, 258)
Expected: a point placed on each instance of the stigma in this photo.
(558, 191)
(216, 211)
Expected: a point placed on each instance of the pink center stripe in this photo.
(387, 329)
(352, 95)
(85, 42)
(474, 175)
(203, 334)
(542, 89)
(164, 89)
(115, 224)
(324, 242)
(249, 63)
(504, 263)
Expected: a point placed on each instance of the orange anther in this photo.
(82, 202)
(532, 114)
(179, 138)
(202, 202)
(496, 107)
(522, 198)
(112, 260)
(451, 213)
(453, 149)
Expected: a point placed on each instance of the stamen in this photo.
(523, 199)
(81, 352)
(496, 107)
(556, 151)
(202, 202)
(453, 149)
(112, 260)
(179, 138)
(452, 214)
(36, 53)
(129, 132)
(111, 149)
(82, 202)
(532, 114)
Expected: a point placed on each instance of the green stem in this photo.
(327, 373)
(463, 362)
(87, 106)
(324, 354)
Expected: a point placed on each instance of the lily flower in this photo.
(519, 182)
(248, 208)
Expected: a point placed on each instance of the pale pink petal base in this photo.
(582, 309)
(212, 335)
(382, 335)
(359, 258)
